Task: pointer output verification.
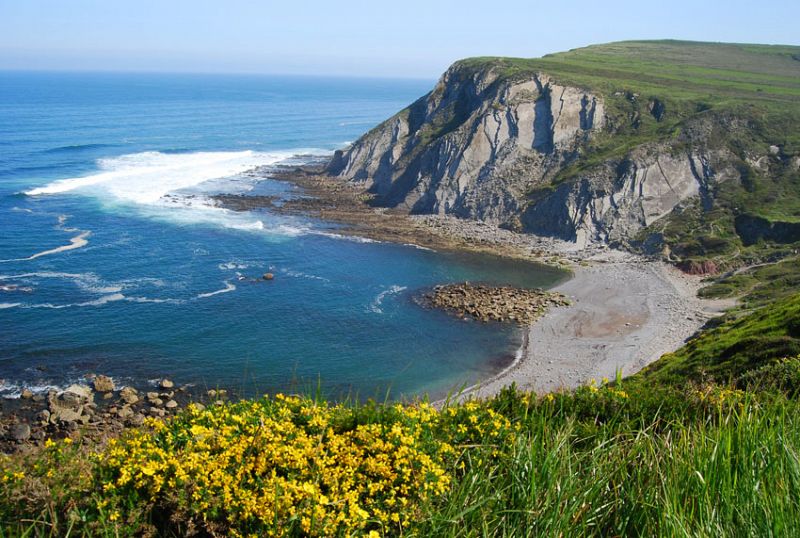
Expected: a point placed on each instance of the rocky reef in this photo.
(493, 303)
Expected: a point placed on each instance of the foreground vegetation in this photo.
(609, 459)
(706, 442)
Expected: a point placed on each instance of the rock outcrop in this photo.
(616, 200)
(474, 146)
(493, 303)
(495, 147)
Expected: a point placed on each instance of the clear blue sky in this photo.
(412, 38)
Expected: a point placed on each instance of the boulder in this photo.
(26, 394)
(268, 276)
(66, 416)
(136, 420)
(20, 432)
(103, 383)
(82, 391)
(129, 395)
(172, 404)
(166, 384)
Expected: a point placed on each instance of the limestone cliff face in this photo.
(618, 199)
(473, 146)
(489, 147)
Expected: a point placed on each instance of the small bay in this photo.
(113, 260)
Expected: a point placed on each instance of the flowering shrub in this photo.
(274, 467)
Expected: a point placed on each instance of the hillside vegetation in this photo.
(686, 150)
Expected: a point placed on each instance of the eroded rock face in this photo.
(492, 148)
(613, 203)
(474, 146)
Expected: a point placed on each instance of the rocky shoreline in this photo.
(95, 411)
(484, 303)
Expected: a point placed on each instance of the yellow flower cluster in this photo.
(717, 395)
(289, 464)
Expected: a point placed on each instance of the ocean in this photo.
(114, 261)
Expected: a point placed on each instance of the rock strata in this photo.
(494, 303)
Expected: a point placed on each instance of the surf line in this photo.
(78, 241)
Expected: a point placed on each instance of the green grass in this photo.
(759, 286)
(691, 70)
(612, 460)
(739, 344)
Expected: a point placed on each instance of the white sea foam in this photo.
(378, 302)
(154, 300)
(146, 177)
(86, 281)
(3, 306)
(228, 288)
(96, 302)
(174, 187)
(353, 238)
(11, 391)
(78, 241)
(300, 274)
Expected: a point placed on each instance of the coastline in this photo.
(626, 312)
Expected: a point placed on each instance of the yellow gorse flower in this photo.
(271, 464)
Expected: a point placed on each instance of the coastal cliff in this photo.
(577, 147)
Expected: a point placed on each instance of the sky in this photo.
(410, 39)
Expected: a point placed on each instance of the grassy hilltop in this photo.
(704, 442)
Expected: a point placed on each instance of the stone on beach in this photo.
(129, 395)
(20, 432)
(103, 383)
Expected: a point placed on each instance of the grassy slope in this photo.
(737, 346)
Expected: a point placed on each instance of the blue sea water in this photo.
(113, 260)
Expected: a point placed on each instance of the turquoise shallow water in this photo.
(112, 259)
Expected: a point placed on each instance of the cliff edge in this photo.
(625, 144)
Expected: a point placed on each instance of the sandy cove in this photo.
(626, 311)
